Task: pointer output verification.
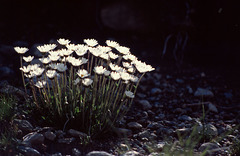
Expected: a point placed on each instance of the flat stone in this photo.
(28, 151)
(131, 153)
(76, 133)
(50, 135)
(184, 118)
(23, 125)
(33, 138)
(145, 104)
(208, 146)
(99, 153)
(203, 92)
(134, 125)
(66, 140)
(154, 125)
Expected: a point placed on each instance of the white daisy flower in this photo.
(40, 84)
(113, 44)
(129, 94)
(25, 69)
(81, 51)
(87, 81)
(113, 66)
(71, 46)
(38, 71)
(63, 41)
(130, 57)
(126, 65)
(51, 74)
(131, 70)
(28, 59)
(112, 55)
(99, 70)
(61, 67)
(54, 57)
(104, 56)
(123, 50)
(95, 51)
(84, 60)
(115, 76)
(65, 52)
(21, 50)
(34, 67)
(134, 78)
(30, 75)
(53, 66)
(46, 47)
(46, 60)
(75, 82)
(142, 67)
(91, 42)
(104, 49)
(76, 62)
(82, 73)
(106, 72)
(125, 76)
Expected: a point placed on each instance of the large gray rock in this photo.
(76, 133)
(145, 104)
(28, 151)
(208, 130)
(50, 135)
(134, 125)
(99, 153)
(203, 92)
(33, 138)
(23, 125)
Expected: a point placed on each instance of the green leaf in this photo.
(43, 118)
(77, 110)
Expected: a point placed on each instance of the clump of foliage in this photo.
(88, 83)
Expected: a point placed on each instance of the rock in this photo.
(179, 111)
(146, 134)
(203, 92)
(165, 131)
(66, 140)
(76, 152)
(183, 131)
(185, 118)
(76, 133)
(123, 147)
(57, 154)
(209, 130)
(155, 126)
(28, 151)
(179, 80)
(134, 125)
(8, 89)
(190, 90)
(23, 125)
(131, 153)
(212, 108)
(145, 104)
(122, 132)
(33, 138)
(209, 146)
(160, 146)
(6, 72)
(154, 154)
(140, 95)
(99, 153)
(228, 95)
(156, 91)
(50, 135)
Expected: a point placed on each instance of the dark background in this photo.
(212, 27)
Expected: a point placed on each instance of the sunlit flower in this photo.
(95, 51)
(112, 55)
(99, 70)
(125, 76)
(82, 50)
(126, 65)
(123, 50)
(142, 67)
(84, 60)
(21, 50)
(75, 82)
(63, 41)
(71, 46)
(134, 78)
(115, 75)
(65, 52)
(40, 84)
(54, 57)
(113, 44)
(30, 75)
(130, 57)
(131, 70)
(45, 60)
(53, 66)
(61, 67)
(87, 81)
(46, 47)
(25, 69)
(113, 66)
(104, 49)
(51, 74)
(90, 42)
(38, 71)
(104, 56)
(28, 59)
(76, 62)
(82, 73)
(129, 94)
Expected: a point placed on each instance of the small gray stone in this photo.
(190, 90)
(154, 154)
(50, 135)
(154, 125)
(208, 146)
(123, 147)
(134, 125)
(184, 118)
(122, 132)
(155, 91)
(76, 152)
(66, 140)
(23, 125)
(209, 130)
(183, 131)
(99, 153)
(57, 154)
(76, 133)
(203, 92)
(145, 104)
(179, 80)
(131, 153)
(33, 138)
(28, 151)
(147, 134)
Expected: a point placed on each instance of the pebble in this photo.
(99, 153)
(183, 131)
(66, 140)
(134, 125)
(76, 133)
(50, 135)
(28, 151)
(145, 104)
(146, 134)
(131, 153)
(33, 138)
(76, 152)
(203, 92)
(185, 118)
(155, 126)
(179, 80)
(155, 91)
(123, 132)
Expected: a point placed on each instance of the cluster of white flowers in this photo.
(113, 61)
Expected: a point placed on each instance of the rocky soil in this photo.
(187, 111)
